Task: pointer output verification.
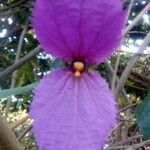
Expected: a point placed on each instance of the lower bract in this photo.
(72, 113)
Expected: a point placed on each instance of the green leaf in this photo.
(22, 16)
(142, 114)
(25, 75)
(16, 91)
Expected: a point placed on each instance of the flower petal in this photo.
(72, 113)
(79, 29)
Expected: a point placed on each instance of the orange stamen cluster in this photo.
(78, 68)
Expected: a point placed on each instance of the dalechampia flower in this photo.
(73, 108)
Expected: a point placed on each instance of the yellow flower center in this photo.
(78, 68)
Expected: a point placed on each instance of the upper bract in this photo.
(87, 30)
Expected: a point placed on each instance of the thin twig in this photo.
(110, 69)
(126, 120)
(20, 62)
(127, 107)
(12, 6)
(25, 132)
(113, 84)
(117, 147)
(129, 139)
(136, 146)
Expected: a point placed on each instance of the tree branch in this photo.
(19, 122)
(14, 75)
(20, 62)
(110, 69)
(137, 19)
(130, 65)
(7, 137)
(130, 8)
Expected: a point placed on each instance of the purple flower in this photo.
(73, 108)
